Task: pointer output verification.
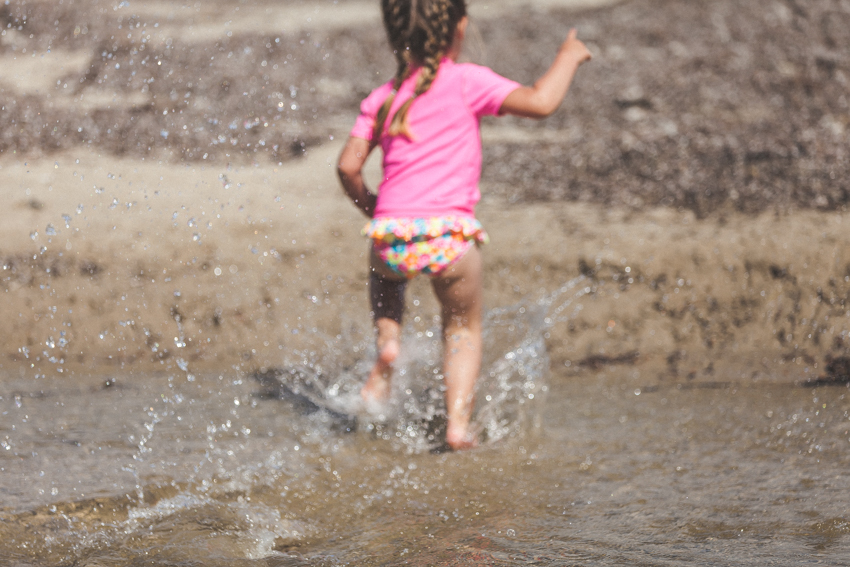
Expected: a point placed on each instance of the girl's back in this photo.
(436, 170)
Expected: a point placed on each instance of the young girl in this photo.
(423, 217)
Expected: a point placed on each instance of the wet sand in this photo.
(157, 215)
(119, 264)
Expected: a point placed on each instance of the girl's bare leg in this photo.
(386, 292)
(458, 289)
(377, 387)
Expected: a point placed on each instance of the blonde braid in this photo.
(419, 31)
(397, 21)
(384, 111)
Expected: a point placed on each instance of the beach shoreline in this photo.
(222, 267)
(171, 199)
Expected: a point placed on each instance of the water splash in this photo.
(193, 446)
(326, 381)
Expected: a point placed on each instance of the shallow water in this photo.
(184, 469)
(612, 467)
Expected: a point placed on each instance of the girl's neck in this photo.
(454, 51)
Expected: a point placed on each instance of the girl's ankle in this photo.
(459, 436)
(388, 352)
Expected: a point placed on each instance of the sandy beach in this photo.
(118, 264)
(159, 214)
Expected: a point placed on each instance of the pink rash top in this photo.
(436, 173)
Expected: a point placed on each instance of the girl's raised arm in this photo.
(546, 95)
(350, 170)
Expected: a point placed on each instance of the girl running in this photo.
(426, 121)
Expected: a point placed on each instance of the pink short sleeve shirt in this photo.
(437, 172)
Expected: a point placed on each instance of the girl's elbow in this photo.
(540, 112)
(532, 111)
(346, 170)
(542, 107)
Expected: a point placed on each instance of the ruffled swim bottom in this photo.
(412, 246)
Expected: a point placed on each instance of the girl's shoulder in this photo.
(381, 92)
(473, 77)
(483, 89)
(452, 69)
(376, 98)
(477, 73)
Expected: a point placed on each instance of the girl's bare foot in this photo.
(377, 387)
(459, 436)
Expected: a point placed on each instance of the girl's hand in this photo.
(544, 98)
(575, 47)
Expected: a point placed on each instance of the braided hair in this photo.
(420, 33)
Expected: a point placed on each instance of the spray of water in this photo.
(326, 381)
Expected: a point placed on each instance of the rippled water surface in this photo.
(597, 466)
(229, 468)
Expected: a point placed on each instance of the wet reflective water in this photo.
(228, 468)
(689, 463)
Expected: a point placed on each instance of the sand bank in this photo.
(115, 264)
(168, 176)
